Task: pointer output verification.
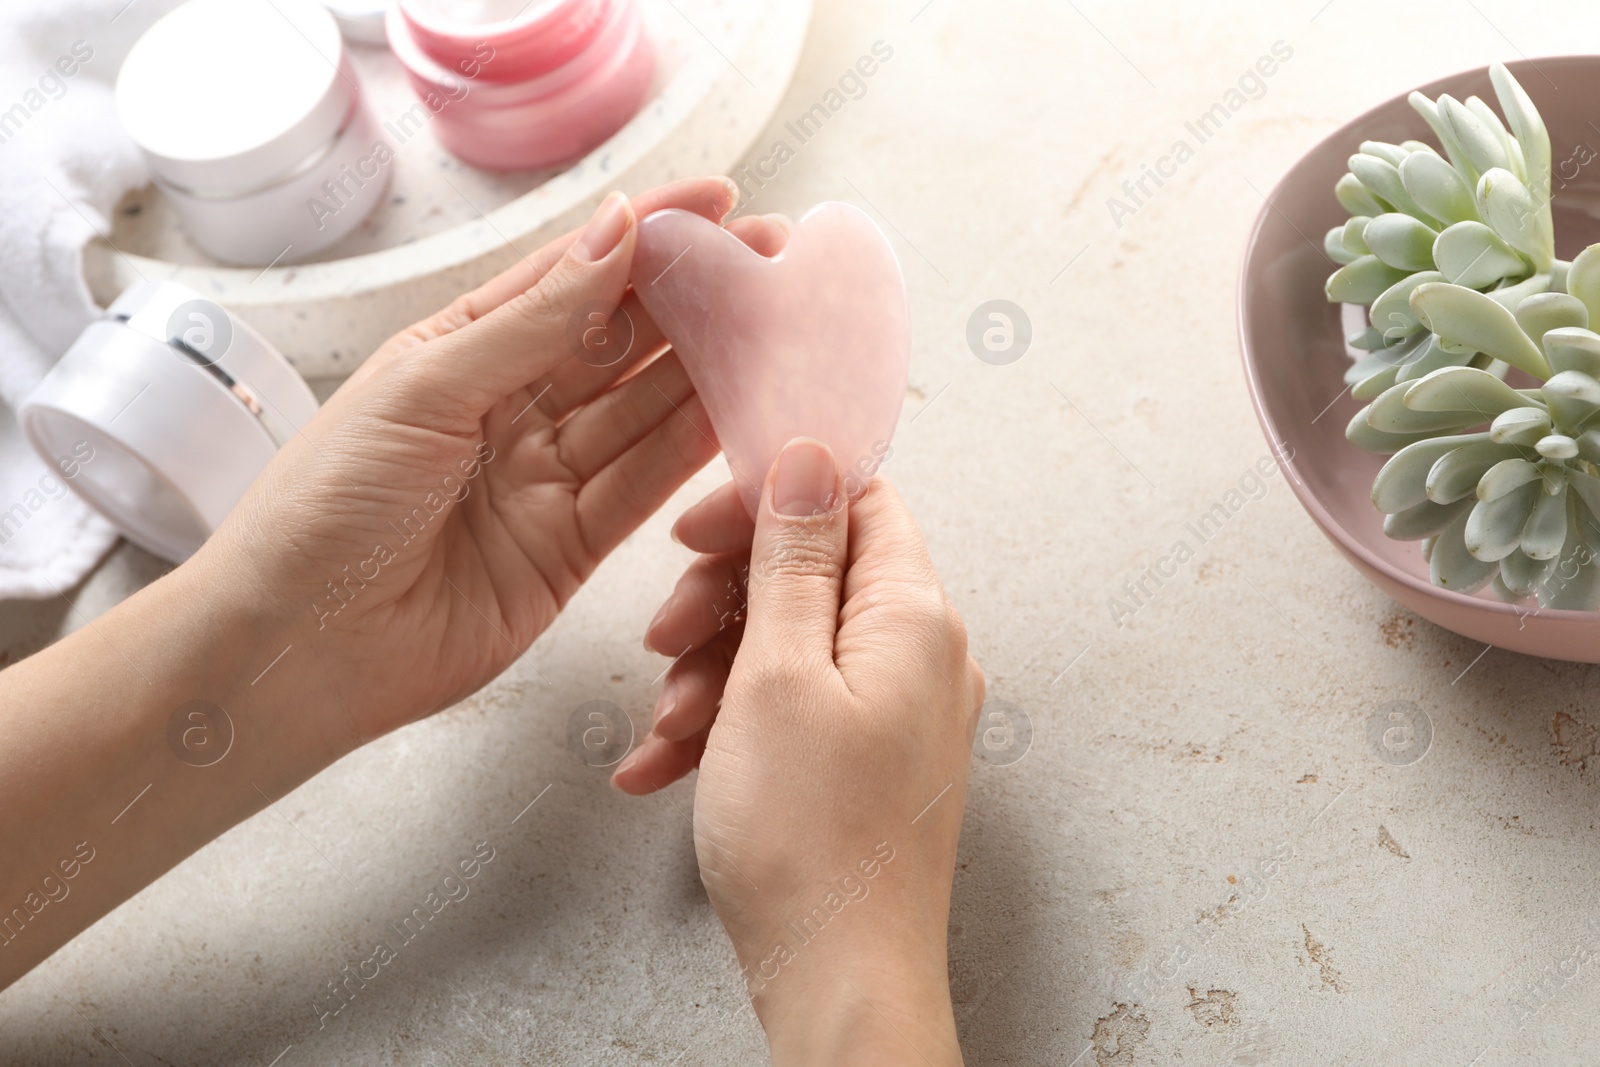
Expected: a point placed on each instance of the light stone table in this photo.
(1201, 858)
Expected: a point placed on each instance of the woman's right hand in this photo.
(832, 778)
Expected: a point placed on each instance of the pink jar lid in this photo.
(525, 38)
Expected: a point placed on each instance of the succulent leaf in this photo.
(1468, 317)
(1520, 426)
(1573, 398)
(1507, 475)
(1368, 382)
(1522, 574)
(1383, 179)
(1361, 434)
(1478, 143)
(1389, 153)
(1363, 281)
(1583, 280)
(1587, 486)
(1357, 198)
(1391, 414)
(1430, 356)
(1402, 482)
(1574, 585)
(1451, 566)
(1354, 242)
(1333, 247)
(1474, 392)
(1368, 340)
(1457, 472)
(1429, 110)
(1573, 348)
(1545, 531)
(1494, 527)
(1471, 254)
(1589, 446)
(1426, 519)
(1508, 206)
(1511, 297)
(1391, 312)
(1401, 241)
(1438, 188)
(1543, 312)
(1532, 138)
(1485, 114)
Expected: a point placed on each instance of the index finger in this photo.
(711, 197)
(888, 557)
(893, 601)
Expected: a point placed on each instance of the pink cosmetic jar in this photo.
(524, 84)
(252, 120)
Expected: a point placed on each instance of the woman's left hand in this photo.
(432, 519)
(401, 551)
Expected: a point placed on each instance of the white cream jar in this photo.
(252, 119)
(182, 404)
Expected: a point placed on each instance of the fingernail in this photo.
(631, 759)
(660, 615)
(804, 483)
(667, 703)
(783, 222)
(733, 194)
(673, 533)
(605, 230)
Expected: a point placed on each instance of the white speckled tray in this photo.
(446, 226)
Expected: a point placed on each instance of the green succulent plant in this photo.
(1477, 216)
(1453, 257)
(1500, 484)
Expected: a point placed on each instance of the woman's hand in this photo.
(401, 551)
(452, 496)
(832, 780)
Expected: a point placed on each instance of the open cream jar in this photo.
(524, 84)
(183, 406)
(254, 124)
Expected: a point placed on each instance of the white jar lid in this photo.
(225, 96)
(361, 20)
(182, 405)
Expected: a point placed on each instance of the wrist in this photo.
(136, 740)
(264, 666)
(887, 1007)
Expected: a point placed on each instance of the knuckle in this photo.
(634, 490)
(924, 611)
(798, 556)
(955, 630)
(537, 305)
(775, 680)
(463, 311)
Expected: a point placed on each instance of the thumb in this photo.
(537, 330)
(797, 560)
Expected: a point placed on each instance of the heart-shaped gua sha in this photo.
(814, 342)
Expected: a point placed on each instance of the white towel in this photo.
(64, 165)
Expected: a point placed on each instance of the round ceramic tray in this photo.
(445, 226)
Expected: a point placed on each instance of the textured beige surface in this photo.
(1200, 778)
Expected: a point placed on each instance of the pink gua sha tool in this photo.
(814, 342)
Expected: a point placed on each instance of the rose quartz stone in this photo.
(814, 342)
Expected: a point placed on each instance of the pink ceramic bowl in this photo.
(1294, 357)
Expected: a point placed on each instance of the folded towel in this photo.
(64, 165)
